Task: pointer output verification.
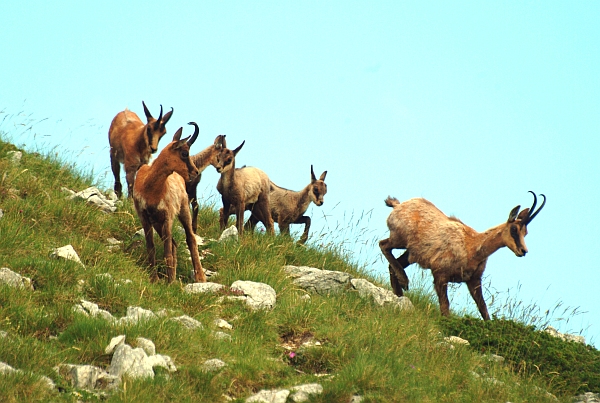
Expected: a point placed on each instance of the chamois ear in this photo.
(513, 214)
(146, 111)
(166, 118)
(237, 150)
(220, 142)
(313, 178)
(177, 135)
(523, 214)
(322, 178)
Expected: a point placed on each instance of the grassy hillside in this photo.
(378, 353)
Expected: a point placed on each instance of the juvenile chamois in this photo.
(133, 142)
(452, 250)
(159, 196)
(202, 160)
(242, 189)
(288, 207)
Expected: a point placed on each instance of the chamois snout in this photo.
(153, 149)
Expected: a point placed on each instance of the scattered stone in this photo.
(305, 297)
(588, 397)
(132, 362)
(3, 334)
(269, 396)
(229, 234)
(88, 377)
(136, 314)
(146, 345)
(222, 336)
(9, 277)
(301, 393)
(49, 383)
(564, 336)
(188, 322)
(15, 156)
(456, 340)
(7, 369)
(223, 324)
(356, 399)
(495, 358)
(113, 244)
(90, 309)
(196, 288)
(380, 295)
(139, 235)
(93, 195)
(114, 343)
(213, 365)
(163, 361)
(1, 213)
(258, 295)
(66, 252)
(318, 281)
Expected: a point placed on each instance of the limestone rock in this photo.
(318, 281)
(213, 365)
(269, 396)
(380, 295)
(301, 393)
(114, 343)
(564, 336)
(188, 322)
(9, 277)
(93, 195)
(258, 295)
(132, 362)
(229, 234)
(196, 288)
(146, 345)
(88, 377)
(66, 252)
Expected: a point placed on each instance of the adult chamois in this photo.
(242, 189)
(160, 195)
(288, 207)
(452, 250)
(133, 142)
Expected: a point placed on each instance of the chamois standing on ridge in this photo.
(452, 250)
(133, 142)
(242, 189)
(159, 196)
(288, 207)
(202, 160)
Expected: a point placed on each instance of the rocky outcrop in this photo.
(9, 277)
(94, 196)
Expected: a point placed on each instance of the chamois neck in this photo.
(488, 242)
(304, 198)
(203, 158)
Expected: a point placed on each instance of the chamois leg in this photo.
(251, 223)
(441, 288)
(191, 189)
(401, 279)
(224, 215)
(397, 278)
(306, 221)
(239, 216)
(190, 239)
(116, 169)
(474, 286)
(264, 212)
(170, 251)
(150, 247)
(130, 172)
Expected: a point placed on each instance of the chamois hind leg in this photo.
(441, 288)
(224, 215)
(263, 211)
(116, 169)
(130, 172)
(150, 247)
(474, 286)
(170, 250)
(251, 223)
(306, 221)
(190, 239)
(400, 281)
(397, 278)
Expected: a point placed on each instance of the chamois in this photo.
(288, 207)
(242, 189)
(159, 195)
(132, 143)
(203, 159)
(452, 250)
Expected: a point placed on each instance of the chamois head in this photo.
(514, 233)
(178, 154)
(155, 128)
(318, 188)
(226, 158)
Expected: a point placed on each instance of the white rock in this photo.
(114, 343)
(15, 156)
(146, 345)
(380, 295)
(132, 362)
(88, 377)
(230, 233)
(223, 324)
(196, 288)
(318, 281)
(7, 369)
(301, 393)
(9, 277)
(269, 396)
(136, 314)
(259, 295)
(222, 336)
(213, 365)
(188, 322)
(164, 361)
(66, 252)
(564, 336)
(457, 340)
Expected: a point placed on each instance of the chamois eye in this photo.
(513, 230)
(185, 154)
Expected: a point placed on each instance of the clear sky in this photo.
(468, 104)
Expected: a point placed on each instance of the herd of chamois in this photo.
(165, 188)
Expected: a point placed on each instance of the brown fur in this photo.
(288, 207)
(132, 143)
(160, 196)
(202, 160)
(242, 189)
(452, 250)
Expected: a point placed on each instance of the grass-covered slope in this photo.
(378, 353)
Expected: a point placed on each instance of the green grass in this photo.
(379, 353)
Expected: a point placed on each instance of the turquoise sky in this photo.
(468, 104)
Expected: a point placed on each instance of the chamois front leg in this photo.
(170, 251)
(116, 169)
(398, 276)
(150, 247)
(441, 288)
(224, 214)
(130, 172)
(474, 286)
(190, 239)
(264, 210)
(239, 216)
(306, 221)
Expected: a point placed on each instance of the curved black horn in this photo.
(160, 116)
(533, 213)
(195, 135)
